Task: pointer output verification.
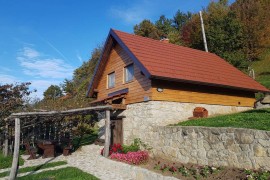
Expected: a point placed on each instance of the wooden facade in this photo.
(195, 93)
(138, 89)
(142, 88)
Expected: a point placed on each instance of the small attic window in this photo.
(129, 73)
(111, 80)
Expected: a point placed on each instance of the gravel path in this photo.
(88, 159)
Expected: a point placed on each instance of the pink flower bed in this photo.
(136, 158)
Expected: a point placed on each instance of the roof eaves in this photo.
(131, 55)
(209, 84)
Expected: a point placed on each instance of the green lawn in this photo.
(262, 69)
(36, 168)
(69, 173)
(6, 162)
(253, 119)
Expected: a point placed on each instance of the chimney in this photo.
(165, 40)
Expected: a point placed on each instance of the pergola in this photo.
(30, 119)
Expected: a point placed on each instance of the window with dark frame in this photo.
(111, 80)
(129, 73)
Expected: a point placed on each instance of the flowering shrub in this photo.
(136, 158)
(115, 148)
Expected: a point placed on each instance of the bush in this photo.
(135, 158)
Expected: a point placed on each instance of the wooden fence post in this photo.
(107, 134)
(6, 142)
(15, 161)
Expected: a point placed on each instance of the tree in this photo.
(180, 19)
(164, 26)
(13, 98)
(225, 34)
(53, 92)
(147, 29)
(255, 17)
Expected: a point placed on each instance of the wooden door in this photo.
(117, 131)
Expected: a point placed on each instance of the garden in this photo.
(139, 154)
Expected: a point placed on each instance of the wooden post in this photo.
(107, 134)
(6, 142)
(14, 167)
(203, 33)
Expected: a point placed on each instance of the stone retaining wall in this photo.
(242, 148)
(142, 117)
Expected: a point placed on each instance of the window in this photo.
(129, 73)
(111, 80)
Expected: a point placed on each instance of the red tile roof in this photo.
(173, 62)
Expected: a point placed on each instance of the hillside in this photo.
(262, 69)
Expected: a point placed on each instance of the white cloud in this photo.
(34, 64)
(29, 53)
(8, 79)
(135, 13)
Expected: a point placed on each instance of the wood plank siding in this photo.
(139, 87)
(184, 92)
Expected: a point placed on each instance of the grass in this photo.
(36, 168)
(6, 162)
(68, 173)
(253, 119)
(262, 69)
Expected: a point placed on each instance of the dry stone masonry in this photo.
(142, 117)
(242, 148)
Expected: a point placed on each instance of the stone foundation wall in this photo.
(142, 117)
(242, 148)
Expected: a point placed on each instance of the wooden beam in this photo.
(107, 134)
(6, 143)
(119, 106)
(15, 161)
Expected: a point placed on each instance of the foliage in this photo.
(13, 97)
(53, 92)
(61, 174)
(136, 146)
(135, 158)
(6, 162)
(259, 175)
(196, 172)
(85, 139)
(252, 119)
(254, 15)
(147, 29)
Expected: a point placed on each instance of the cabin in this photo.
(158, 83)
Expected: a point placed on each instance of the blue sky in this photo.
(42, 42)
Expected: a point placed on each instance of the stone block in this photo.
(259, 151)
(234, 148)
(264, 143)
(243, 137)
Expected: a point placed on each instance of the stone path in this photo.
(88, 159)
